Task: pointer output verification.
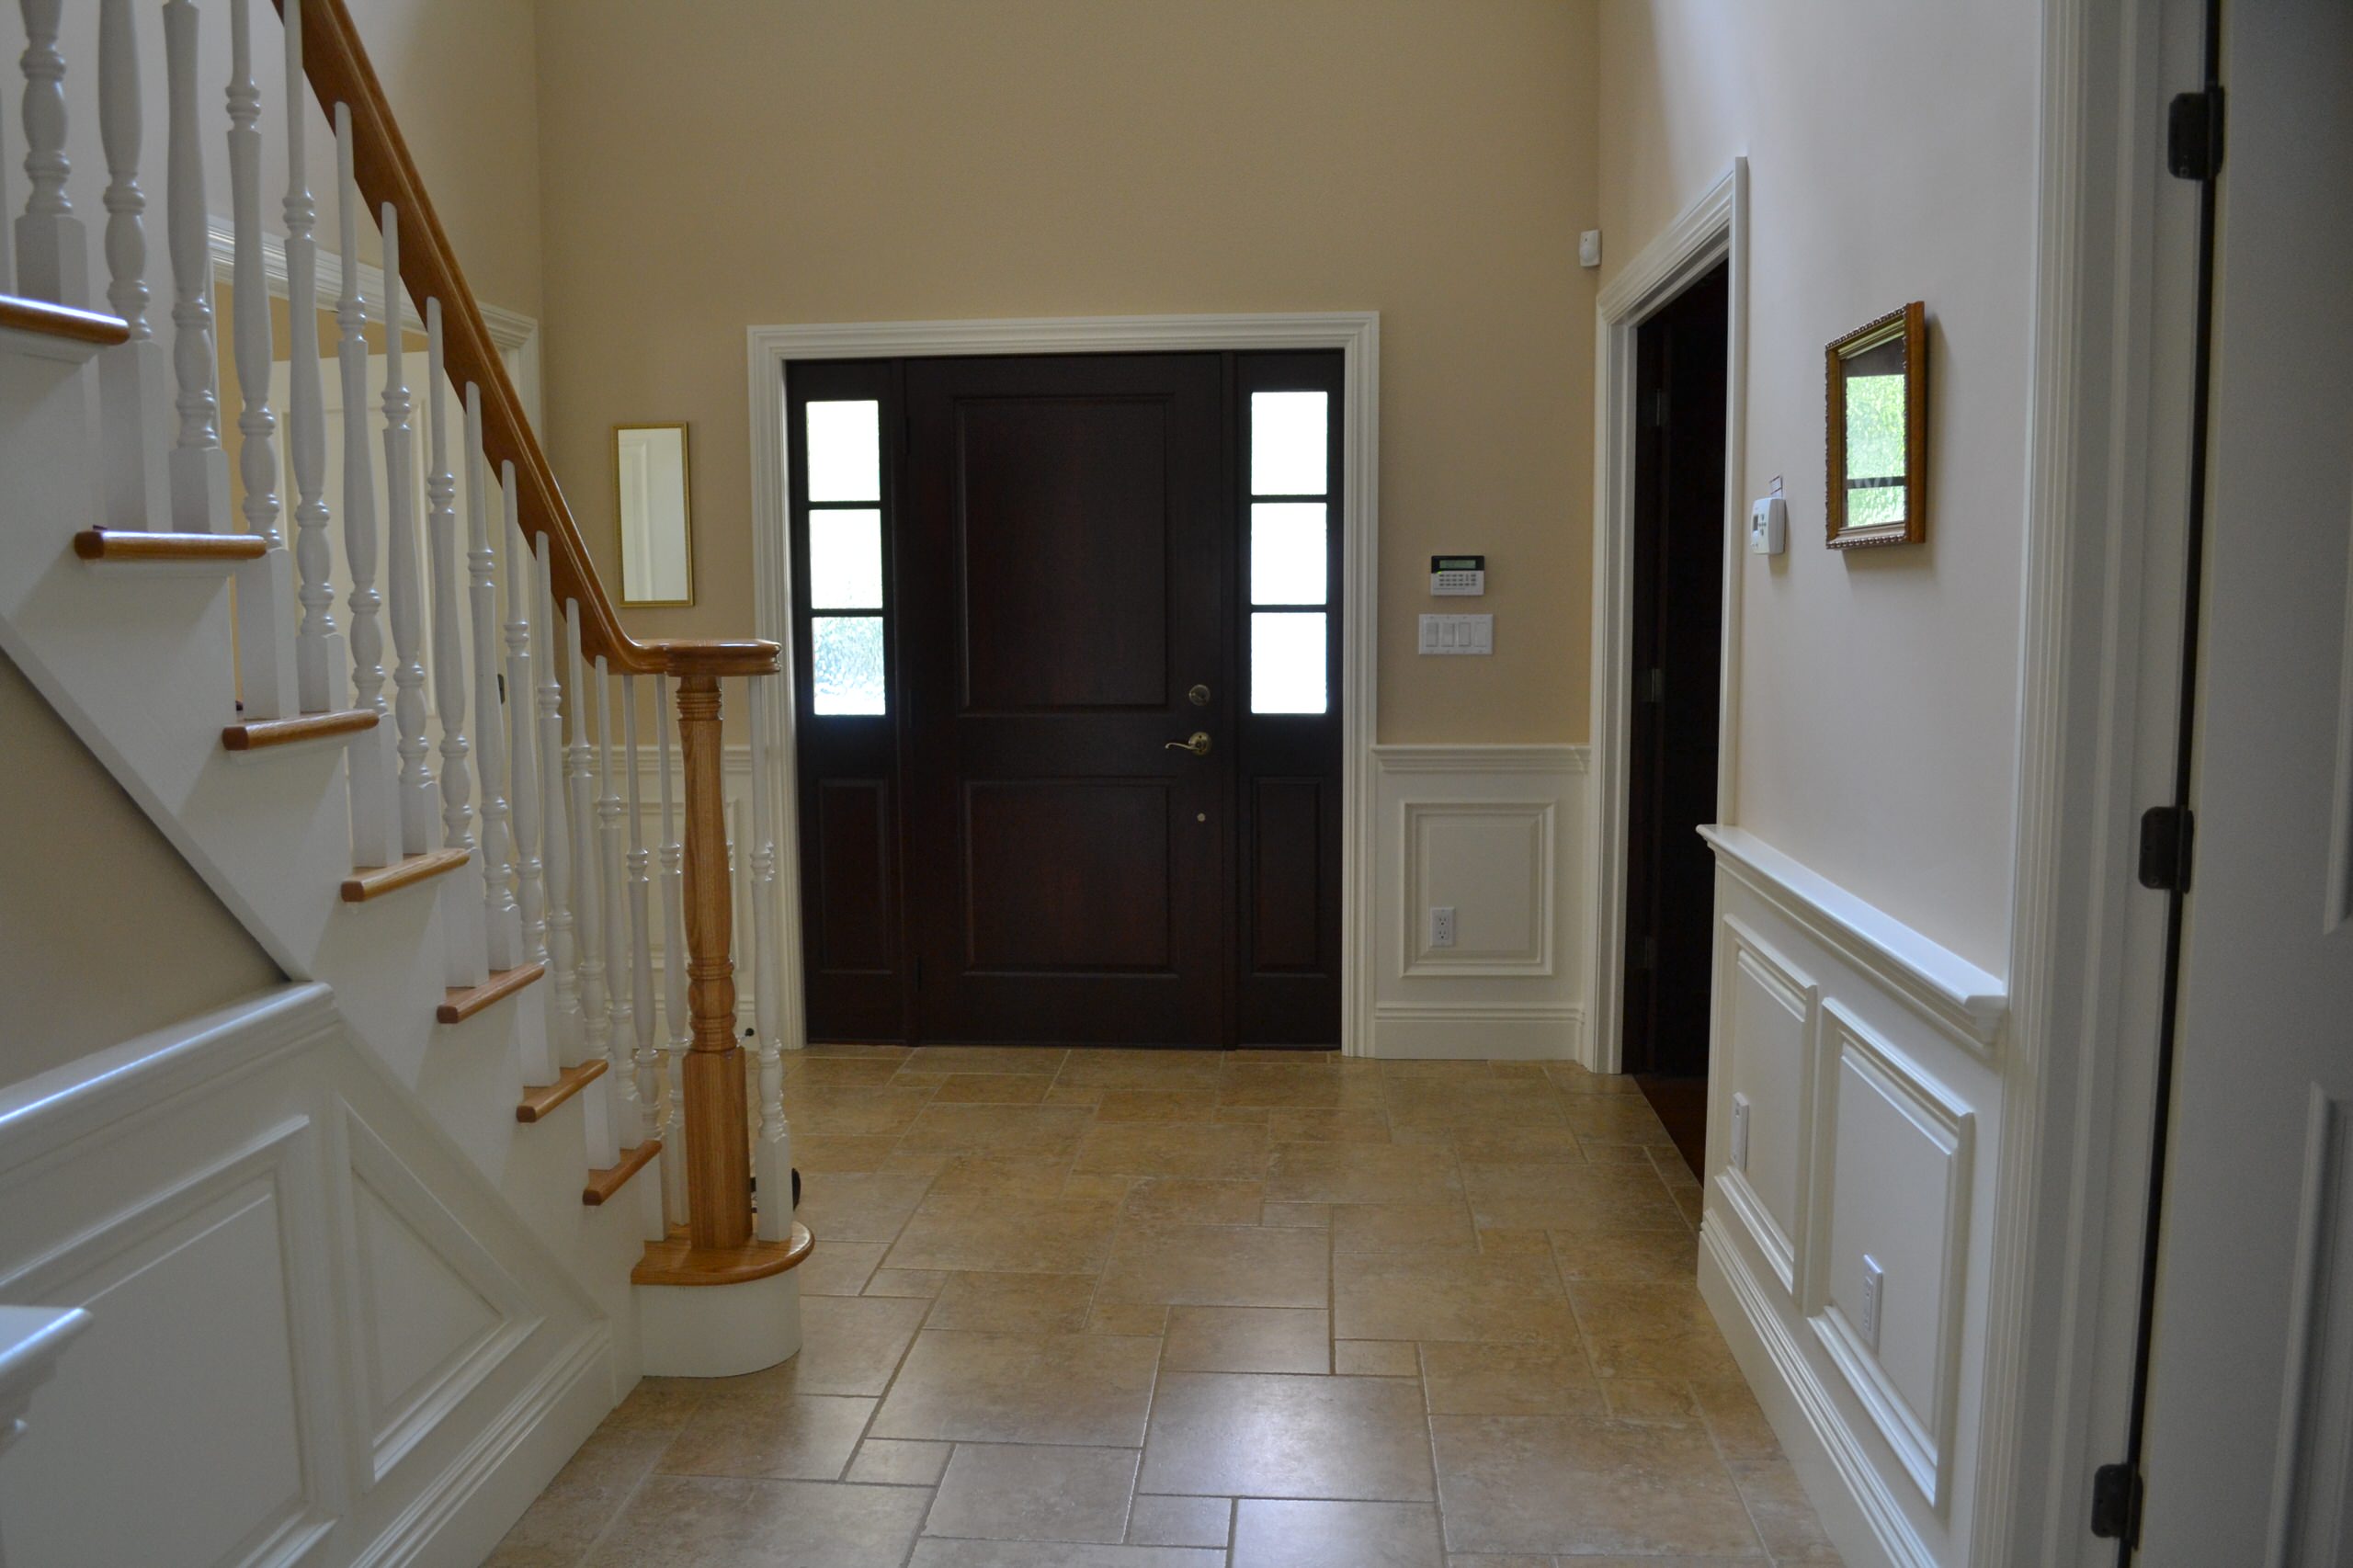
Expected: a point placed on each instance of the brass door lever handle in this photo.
(1198, 744)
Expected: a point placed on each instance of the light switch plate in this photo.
(1874, 1288)
(1458, 634)
(1740, 1132)
(1589, 248)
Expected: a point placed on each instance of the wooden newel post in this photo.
(719, 1148)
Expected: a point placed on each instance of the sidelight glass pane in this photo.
(846, 560)
(845, 451)
(1288, 443)
(1286, 662)
(845, 663)
(1287, 552)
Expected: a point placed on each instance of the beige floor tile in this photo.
(999, 1492)
(1598, 1153)
(1517, 1145)
(1582, 1484)
(1181, 1521)
(878, 1050)
(1433, 1069)
(747, 1428)
(1156, 1105)
(1513, 1297)
(866, 1113)
(1248, 1340)
(1441, 1226)
(1489, 1559)
(1091, 1389)
(1617, 1118)
(1573, 1078)
(1007, 1235)
(1203, 1149)
(1280, 1533)
(1360, 1173)
(1483, 1102)
(1289, 1125)
(1509, 1379)
(1223, 1434)
(1141, 1070)
(1296, 1216)
(565, 1520)
(1651, 1330)
(1129, 1317)
(1091, 1183)
(934, 1553)
(814, 1151)
(1013, 1303)
(1059, 1093)
(858, 1205)
(1735, 1420)
(849, 1345)
(656, 1404)
(1568, 1198)
(1047, 1060)
(1191, 1201)
(1627, 1255)
(1213, 1265)
(992, 1088)
(1005, 1176)
(920, 1284)
(1376, 1358)
(846, 1071)
(840, 1268)
(997, 1129)
(895, 1461)
(1783, 1517)
(693, 1521)
(1650, 1399)
(1261, 1085)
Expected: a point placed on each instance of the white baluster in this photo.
(596, 1009)
(772, 1141)
(52, 253)
(648, 1065)
(555, 831)
(372, 756)
(675, 1016)
(318, 652)
(197, 467)
(613, 908)
(467, 965)
(134, 384)
(414, 789)
(522, 731)
(264, 651)
(502, 920)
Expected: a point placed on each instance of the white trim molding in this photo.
(1712, 229)
(769, 351)
(515, 334)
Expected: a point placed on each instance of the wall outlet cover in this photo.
(1874, 1291)
(1442, 926)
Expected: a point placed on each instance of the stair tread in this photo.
(129, 545)
(603, 1183)
(20, 315)
(540, 1098)
(375, 882)
(259, 735)
(462, 1002)
(676, 1262)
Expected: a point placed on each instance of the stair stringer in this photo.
(139, 660)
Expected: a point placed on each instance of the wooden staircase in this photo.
(459, 856)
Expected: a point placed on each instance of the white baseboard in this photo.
(1477, 1032)
(1862, 1519)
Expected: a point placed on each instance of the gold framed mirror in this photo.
(655, 513)
(1877, 417)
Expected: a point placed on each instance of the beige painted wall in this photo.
(893, 160)
(92, 896)
(1891, 151)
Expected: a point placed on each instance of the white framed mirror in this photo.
(656, 517)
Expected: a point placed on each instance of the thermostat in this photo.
(1457, 573)
(1769, 526)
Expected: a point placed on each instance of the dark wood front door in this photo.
(1069, 734)
(1073, 510)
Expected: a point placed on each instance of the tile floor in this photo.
(1126, 1309)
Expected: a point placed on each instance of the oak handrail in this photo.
(337, 66)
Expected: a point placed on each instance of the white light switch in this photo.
(1874, 1284)
(1442, 926)
(1589, 248)
(1458, 634)
(1740, 1132)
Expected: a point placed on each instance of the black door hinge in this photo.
(2194, 135)
(2167, 834)
(2116, 1502)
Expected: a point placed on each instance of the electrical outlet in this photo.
(1740, 1109)
(1874, 1287)
(1442, 926)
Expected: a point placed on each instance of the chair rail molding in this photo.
(769, 350)
(1711, 229)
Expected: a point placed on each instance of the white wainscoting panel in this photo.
(1868, 1058)
(317, 1334)
(1487, 832)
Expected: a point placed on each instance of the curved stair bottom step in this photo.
(741, 1313)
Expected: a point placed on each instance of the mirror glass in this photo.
(1872, 375)
(658, 552)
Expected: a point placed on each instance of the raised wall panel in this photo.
(1898, 1148)
(1491, 861)
(1067, 874)
(1285, 889)
(1768, 1011)
(2313, 1499)
(853, 873)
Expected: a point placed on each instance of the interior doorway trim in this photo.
(1712, 229)
(1356, 333)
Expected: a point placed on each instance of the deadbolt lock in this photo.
(1200, 696)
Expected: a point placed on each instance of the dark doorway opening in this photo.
(1068, 726)
(1676, 629)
